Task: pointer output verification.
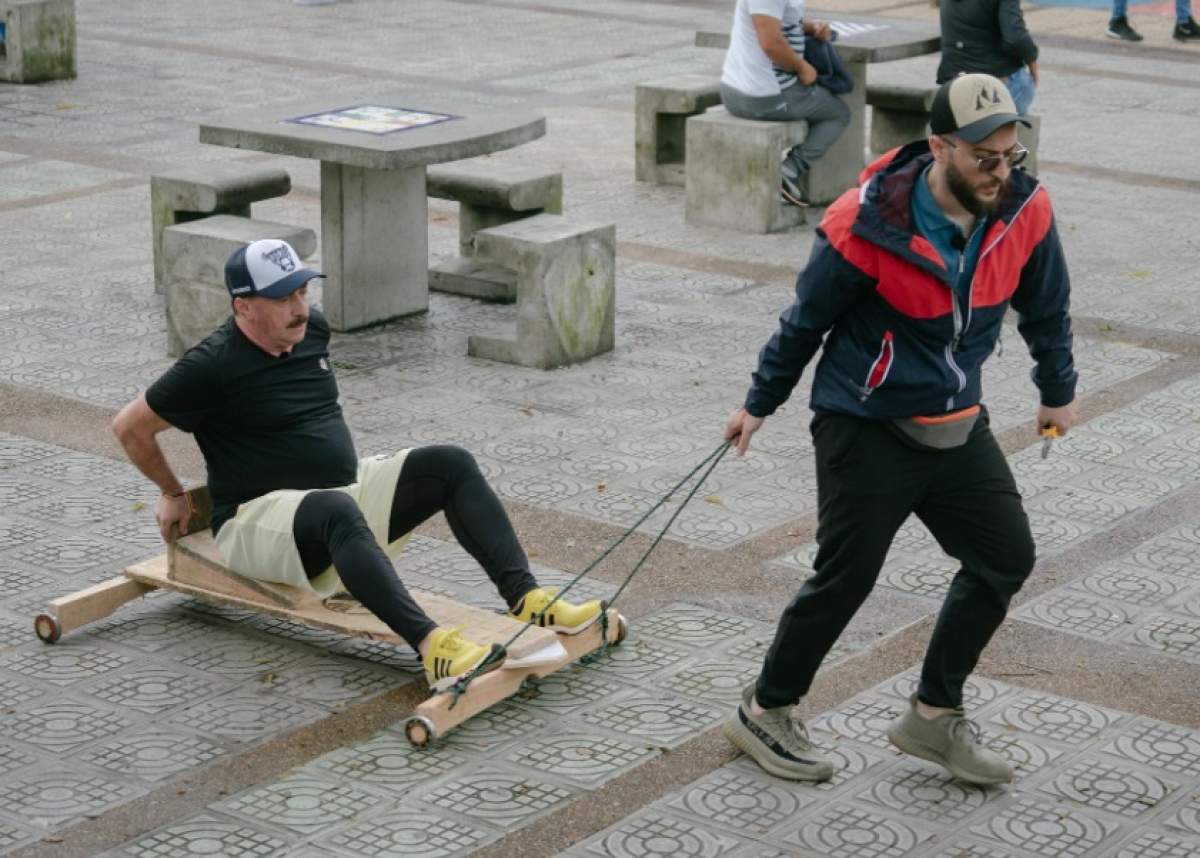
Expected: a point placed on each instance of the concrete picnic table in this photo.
(374, 211)
(861, 39)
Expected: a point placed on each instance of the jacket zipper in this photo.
(880, 368)
(959, 328)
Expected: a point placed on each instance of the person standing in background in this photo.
(1185, 25)
(989, 37)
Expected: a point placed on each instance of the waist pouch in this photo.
(942, 432)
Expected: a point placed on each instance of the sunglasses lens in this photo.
(1018, 157)
(990, 163)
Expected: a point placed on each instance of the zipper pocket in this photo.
(879, 370)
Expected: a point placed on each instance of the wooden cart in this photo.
(191, 565)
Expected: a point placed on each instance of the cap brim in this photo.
(288, 285)
(986, 127)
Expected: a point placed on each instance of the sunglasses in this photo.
(989, 163)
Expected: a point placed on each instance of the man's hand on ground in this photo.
(740, 427)
(168, 511)
(1061, 418)
(819, 31)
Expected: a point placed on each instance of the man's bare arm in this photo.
(770, 37)
(137, 428)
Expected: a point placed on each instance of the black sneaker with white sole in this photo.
(1118, 28)
(777, 741)
(791, 194)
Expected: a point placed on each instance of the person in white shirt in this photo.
(765, 77)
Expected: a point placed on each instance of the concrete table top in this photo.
(863, 38)
(468, 133)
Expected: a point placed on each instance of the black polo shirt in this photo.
(262, 422)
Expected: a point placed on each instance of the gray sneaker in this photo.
(951, 741)
(777, 741)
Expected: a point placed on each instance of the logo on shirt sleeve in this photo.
(324, 364)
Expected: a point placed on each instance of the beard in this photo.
(966, 196)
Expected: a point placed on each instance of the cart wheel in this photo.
(419, 731)
(47, 628)
(622, 630)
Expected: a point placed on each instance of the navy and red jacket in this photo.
(900, 343)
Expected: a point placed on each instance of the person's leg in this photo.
(1022, 89)
(867, 483)
(329, 528)
(827, 117)
(1119, 8)
(975, 513)
(447, 479)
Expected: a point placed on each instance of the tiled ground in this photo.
(1090, 782)
(676, 675)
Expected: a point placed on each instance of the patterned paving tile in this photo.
(1160, 745)
(299, 803)
(1158, 844)
(205, 835)
(1111, 787)
(498, 797)
(568, 690)
(386, 763)
(1046, 829)
(1178, 636)
(409, 833)
(153, 689)
(848, 831)
(1068, 721)
(651, 833)
(662, 719)
(687, 625)
(712, 681)
(587, 760)
(65, 664)
(246, 715)
(743, 803)
(52, 798)
(152, 755)
(59, 725)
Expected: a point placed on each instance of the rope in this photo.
(499, 651)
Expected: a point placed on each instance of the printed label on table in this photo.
(373, 119)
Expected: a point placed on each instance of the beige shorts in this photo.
(258, 542)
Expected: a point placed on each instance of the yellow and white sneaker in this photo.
(563, 617)
(451, 656)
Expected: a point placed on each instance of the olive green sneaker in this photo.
(953, 742)
(777, 741)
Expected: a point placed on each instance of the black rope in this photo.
(499, 651)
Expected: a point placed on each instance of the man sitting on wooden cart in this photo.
(292, 502)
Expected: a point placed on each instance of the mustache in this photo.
(298, 322)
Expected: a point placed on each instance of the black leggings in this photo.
(329, 528)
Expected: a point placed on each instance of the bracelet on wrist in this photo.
(174, 495)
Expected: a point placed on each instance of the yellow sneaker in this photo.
(450, 656)
(563, 617)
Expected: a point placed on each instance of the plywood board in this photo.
(350, 618)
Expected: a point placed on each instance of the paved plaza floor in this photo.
(173, 728)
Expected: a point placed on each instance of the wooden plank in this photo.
(96, 602)
(499, 685)
(351, 618)
(194, 560)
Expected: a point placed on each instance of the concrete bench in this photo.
(661, 110)
(733, 172)
(37, 40)
(191, 193)
(194, 256)
(566, 291)
(488, 196)
(899, 114)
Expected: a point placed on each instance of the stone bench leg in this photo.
(734, 172)
(566, 291)
(374, 244)
(472, 276)
(891, 128)
(39, 40)
(660, 122)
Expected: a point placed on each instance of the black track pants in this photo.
(329, 528)
(868, 482)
